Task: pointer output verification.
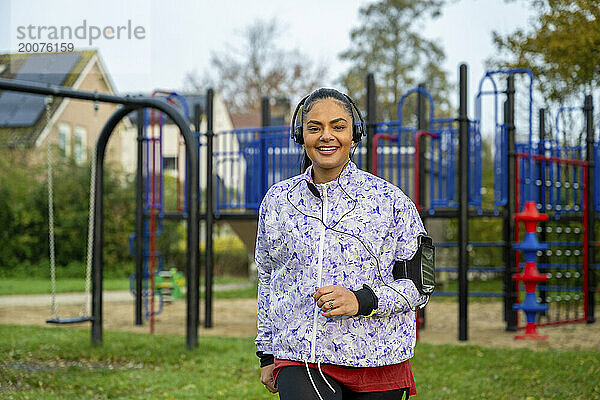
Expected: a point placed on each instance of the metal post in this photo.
(371, 102)
(509, 223)
(139, 219)
(265, 111)
(193, 246)
(193, 275)
(421, 125)
(208, 269)
(589, 126)
(97, 258)
(463, 222)
(262, 138)
(544, 259)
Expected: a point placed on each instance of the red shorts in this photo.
(363, 379)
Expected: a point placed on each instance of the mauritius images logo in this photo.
(84, 33)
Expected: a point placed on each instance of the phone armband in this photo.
(421, 268)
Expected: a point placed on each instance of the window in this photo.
(170, 163)
(80, 145)
(64, 139)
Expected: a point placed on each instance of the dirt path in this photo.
(237, 318)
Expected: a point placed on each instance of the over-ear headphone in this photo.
(358, 130)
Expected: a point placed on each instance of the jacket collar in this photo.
(345, 177)
(303, 200)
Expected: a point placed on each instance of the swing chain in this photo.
(53, 304)
(85, 309)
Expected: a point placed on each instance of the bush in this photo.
(24, 214)
(24, 222)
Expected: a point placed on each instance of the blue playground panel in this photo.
(559, 186)
(396, 160)
(249, 161)
(500, 166)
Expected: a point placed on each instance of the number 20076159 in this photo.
(45, 47)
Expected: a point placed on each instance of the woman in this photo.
(332, 321)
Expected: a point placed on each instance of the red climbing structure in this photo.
(530, 275)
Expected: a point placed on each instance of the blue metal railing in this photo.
(560, 186)
(249, 161)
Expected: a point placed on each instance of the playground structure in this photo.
(157, 283)
(428, 162)
(425, 162)
(438, 164)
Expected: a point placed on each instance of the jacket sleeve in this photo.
(264, 265)
(401, 295)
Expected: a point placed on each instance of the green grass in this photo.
(65, 285)
(250, 292)
(52, 363)
(9, 286)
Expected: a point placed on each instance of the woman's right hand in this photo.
(266, 378)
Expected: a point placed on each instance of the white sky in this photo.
(180, 35)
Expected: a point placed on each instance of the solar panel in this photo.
(22, 109)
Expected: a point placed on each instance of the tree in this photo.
(24, 213)
(562, 47)
(244, 74)
(388, 43)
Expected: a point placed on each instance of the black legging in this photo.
(293, 384)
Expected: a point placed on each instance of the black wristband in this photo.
(367, 300)
(265, 359)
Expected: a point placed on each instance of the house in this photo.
(172, 147)
(72, 125)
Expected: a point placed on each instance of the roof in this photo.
(248, 120)
(191, 100)
(22, 116)
(254, 120)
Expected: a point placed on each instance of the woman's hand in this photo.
(336, 300)
(266, 378)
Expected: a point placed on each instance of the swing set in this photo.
(94, 267)
(84, 314)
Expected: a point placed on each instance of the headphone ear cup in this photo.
(357, 133)
(298, 136)
(296, 131)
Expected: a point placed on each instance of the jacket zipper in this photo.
(319, 275)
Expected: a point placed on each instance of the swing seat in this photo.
(65, 321)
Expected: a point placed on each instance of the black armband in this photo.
(421, 268)
(265, 359)
(367, 300)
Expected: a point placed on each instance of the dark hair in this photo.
(326, 93)
(321, 94)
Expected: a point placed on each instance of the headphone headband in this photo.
(357, 130)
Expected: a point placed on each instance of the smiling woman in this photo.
(328, 241)
(327, 138)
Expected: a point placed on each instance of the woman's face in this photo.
(327, 135)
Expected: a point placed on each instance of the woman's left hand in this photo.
(336, 300)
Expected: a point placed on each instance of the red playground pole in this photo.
(530, 276)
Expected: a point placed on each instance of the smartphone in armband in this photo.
(421, 268)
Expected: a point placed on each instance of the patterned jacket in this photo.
(296, 253)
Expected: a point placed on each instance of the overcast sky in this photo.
(177, 37)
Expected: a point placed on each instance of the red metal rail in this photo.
(417, 197)
(376, 139)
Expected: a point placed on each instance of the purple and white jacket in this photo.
(296, 253)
